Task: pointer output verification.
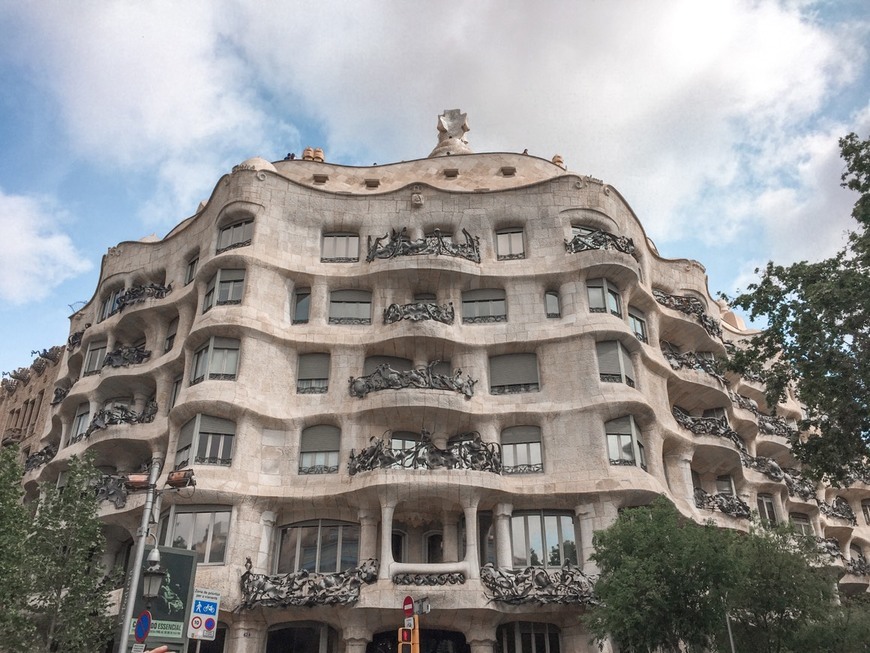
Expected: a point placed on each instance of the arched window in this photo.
(238, 234)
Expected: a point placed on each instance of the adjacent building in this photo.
(434, 378)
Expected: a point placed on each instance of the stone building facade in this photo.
(434, 378)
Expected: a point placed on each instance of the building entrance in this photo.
(431, 641)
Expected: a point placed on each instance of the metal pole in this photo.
(730, 636)
(142, 535)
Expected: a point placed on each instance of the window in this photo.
(301, 305)
(176, 388)
(624, 446)
(801, 523)
(521, 450)
(716, 413)
(855, 553)
(509, 244)
(190, 271)
(235, 235)
(765, 509)
(80, 422)
(195, 529)
(637, 323)
(171, 331)
(398, 543)
(725, 485)
(484, 305)
(318, 450)
(110, 304)
(340, 248)
(403, 444)
(319, 545)
(313, 375)
(552, 304)
(94, 358)
(528, 637)
(350, 307)
(513, 373)
(614, 363)
(604, 297)
(211, 438)
(542, 539)
(217, 360)
(229, 285)
(865, 508)
(304, 636)
(433, 547)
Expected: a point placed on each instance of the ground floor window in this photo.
(527, 637)
(302, 637)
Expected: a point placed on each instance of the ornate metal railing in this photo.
(566, 586)
(319, 469)
(726, 503)
(355, 321)
(111, 487)
(241, 243)
(125, 356)
(312, 386)
(423, 377)
(627, 462)
(708, 426)
(38, 459)
(75, 339)
(484, 319)
(397, 243)
(529, 468)
(305, 588)
(770, 425)
(691, 306)
(59, 395)
(839, 508)
(419, 311)
(597, 239)
(138, 294)
(514, 388)
(422, 580)
(693, 361)
(858, 566)
(120, 415)
(467, 451)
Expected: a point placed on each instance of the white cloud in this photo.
(35, 255)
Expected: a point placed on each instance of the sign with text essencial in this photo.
(170, 610)
(203, 614)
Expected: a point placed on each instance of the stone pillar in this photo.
(585, 513)
(246, 637)
(482, 645)
(502, 517)
(388, 507)
(355, 645)
(368, 534)
(449, 522)
(679, 471)
(267, 531)
(472, 558)
(318, 303)
(356, 637)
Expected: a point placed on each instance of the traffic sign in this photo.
(409, 622)
(204, 611)
(422, 606)
(143, 626)
(408, 606)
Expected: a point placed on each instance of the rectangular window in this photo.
(94, 358)
(801, 523)
(173, 393)
(203, 531)
(217, 360)
(110, 304)
(318, 450)
(301, 305)
(725, 485)
(235, 235)
(403, 444)
(340, 248)
(717, 413)
(552, 304)
(171, 331)
(521, 450)
(509, 244)
(190, 271)
(765, 509)
(350, 307)
(226, 287)
(320, 545)
(604, 297)
(80, 423)
(484, 305)
(211, 438)
(637, 323)
(313, 375)
(614, 363)
(865, 508)
(541, 539)
(624, 445)
(513, 373)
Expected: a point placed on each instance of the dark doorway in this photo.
(431, 641)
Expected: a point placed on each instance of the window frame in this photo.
(552, 300)
(476, 299)
(802, 523)
(616, 443)
(301, 304)
(527, 637)
(168, 535)
(865, 508)
(340, 299)
(212, 355)
(623, 358)
(187, 454)
(506, 242)
(314, 457)
(312, 385)
(109, 305)
(766, 509)
(171, 333)
(190, 270)
(282, 565)
(637, 324)
(334, 238)
(518, 445)
(528, 361)
(521, 519)
(80, 422)
(609, 296)
(219, 285)
(94, 357)
(239, 233)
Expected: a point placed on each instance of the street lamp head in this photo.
(152, 577)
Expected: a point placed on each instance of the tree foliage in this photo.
(667, 584)
(52, 551)
(818, 336)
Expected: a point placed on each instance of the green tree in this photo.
(54, 594)
(16, 559)
(845, 629)
(818, 336)
(663, 581)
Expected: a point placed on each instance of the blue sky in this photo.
(718, 121)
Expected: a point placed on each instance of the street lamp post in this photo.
(141, 535)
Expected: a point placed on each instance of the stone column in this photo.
(502, 517)
(318, 303)
(585, 513)
(472, 558)
(388, 507)
(449, 521)
(267, 530)
(482, 645)
(356, 638)
(246, 637)
(679, 472)
(368, 534)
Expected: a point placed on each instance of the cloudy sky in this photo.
(718, 121)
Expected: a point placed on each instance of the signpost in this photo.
(409, 633)
(203, 615)
(408, 606)
(143, 627)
